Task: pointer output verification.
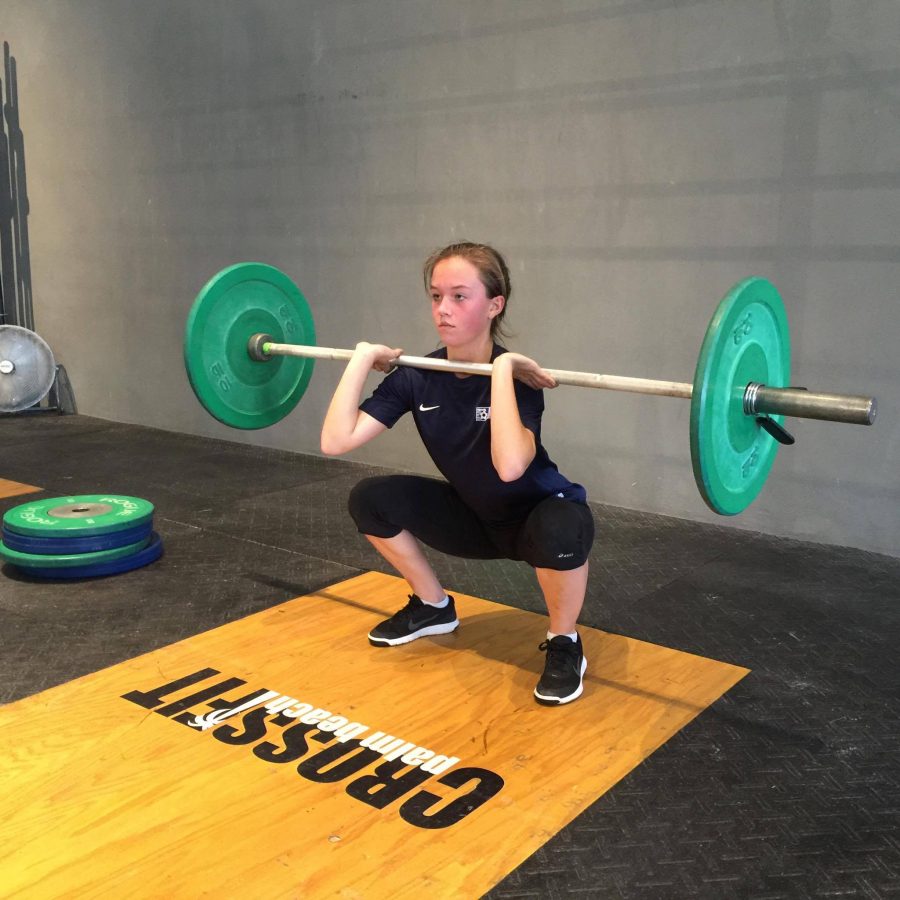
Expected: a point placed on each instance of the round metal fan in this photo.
(27, 368)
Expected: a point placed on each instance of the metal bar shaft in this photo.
(785, 401)
(563, 376)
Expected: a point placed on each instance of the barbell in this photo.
(249, 349)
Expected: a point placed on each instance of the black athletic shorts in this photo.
(556, 534)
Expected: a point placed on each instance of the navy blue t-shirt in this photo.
(452, 415)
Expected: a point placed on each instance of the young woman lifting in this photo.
(503, 497)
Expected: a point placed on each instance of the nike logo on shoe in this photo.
(423, 408)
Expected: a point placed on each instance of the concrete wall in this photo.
(633, 159)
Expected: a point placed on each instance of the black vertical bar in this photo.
(7, 267)
(24, 310)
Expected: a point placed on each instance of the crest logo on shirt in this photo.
(482, 413)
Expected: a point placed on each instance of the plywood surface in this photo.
(110, 787)
(15, 489)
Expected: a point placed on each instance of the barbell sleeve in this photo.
(758, 399)
(803, 404)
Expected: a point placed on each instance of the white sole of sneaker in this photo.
(559, 701)
(444, 628)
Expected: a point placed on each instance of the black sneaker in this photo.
(563, 670)
(415, 620)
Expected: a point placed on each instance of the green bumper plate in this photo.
(68, 560)
(242, 300)
(747, 340)
(76, 517)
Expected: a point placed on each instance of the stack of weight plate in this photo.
(80, 537)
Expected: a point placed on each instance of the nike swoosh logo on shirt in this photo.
(423, 408)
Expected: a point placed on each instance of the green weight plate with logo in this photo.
(77, 517)
(747, 340)
(243, 300)
(68, 560)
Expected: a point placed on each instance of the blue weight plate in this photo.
(68, 560)
(152, 552)
(63, 545)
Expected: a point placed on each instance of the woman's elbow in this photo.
(510, 471)
(331, 447)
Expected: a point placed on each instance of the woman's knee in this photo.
(558, 534)
(369, 506)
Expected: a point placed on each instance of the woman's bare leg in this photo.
(564, 595)
(405, 555)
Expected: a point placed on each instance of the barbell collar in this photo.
(803, 404)
(256, 347)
